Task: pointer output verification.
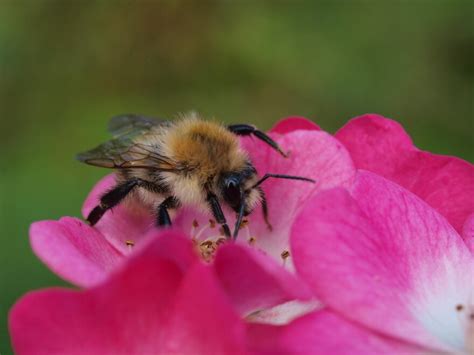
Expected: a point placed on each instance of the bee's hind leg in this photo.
(114, 196)
(163, 218)
(111, 199)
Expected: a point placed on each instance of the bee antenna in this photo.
(282, 176)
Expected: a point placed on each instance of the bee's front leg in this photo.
(218, 214)
(163, 217)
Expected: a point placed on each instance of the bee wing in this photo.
(124, 153)
(131, 125)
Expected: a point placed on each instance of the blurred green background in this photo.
(67, 66)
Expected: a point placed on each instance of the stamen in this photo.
(245, 223)
(285, 255)
(247, 229)
(220, 241)
(208, 249)
(459, 307)
(207, 243)
(212, 223)
(194, 225)
(129, 244)
(208, 237)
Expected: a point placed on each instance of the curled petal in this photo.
(382, 146)
(293, 123)
(254, 281)
(284, 313)
(149, 307)
(203, 321)
(324, 332)
(384, 258)
(169, 244)
(75, 251)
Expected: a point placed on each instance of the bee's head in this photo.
(239, 192)
(242, 192)
(237, 189)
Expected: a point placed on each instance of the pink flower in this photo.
(392, 274)
(390, 265)
(158, 303)
(85, 256)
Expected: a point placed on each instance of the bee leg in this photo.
(163, 217)
(265, 209)
(218, 214)
(246, 130)
(111, 199)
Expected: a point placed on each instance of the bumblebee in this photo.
(165, 164)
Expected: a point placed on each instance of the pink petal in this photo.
(254, 281)
(381, 145)
(468, 233)
(323, 332)
(122, 223)
(203, 321)
(313, 154)
(117, 317)
(284, 313)
(293, 123)
(386, 259)
(169, 244)
(150, 307)
(74, 250)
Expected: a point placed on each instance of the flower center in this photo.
(207, 248)
(207, 237)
